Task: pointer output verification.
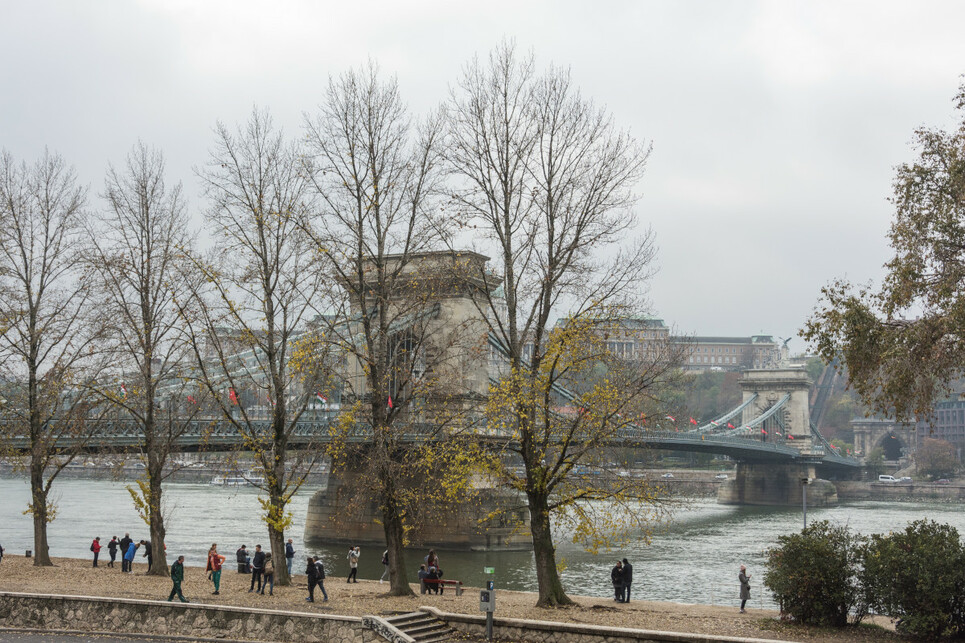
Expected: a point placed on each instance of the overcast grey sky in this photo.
(775, 125)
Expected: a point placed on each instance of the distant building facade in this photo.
(734, 353)
(947, 422)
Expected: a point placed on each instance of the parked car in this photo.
(904, 479)
(720, 476)
(887, 479)
(943, 481)
(667, 475)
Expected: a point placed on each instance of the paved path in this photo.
(20, 637)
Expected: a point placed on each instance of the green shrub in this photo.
(918, 577)
(815, 575)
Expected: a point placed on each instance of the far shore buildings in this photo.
(634, 337)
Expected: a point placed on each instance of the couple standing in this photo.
(622, 576)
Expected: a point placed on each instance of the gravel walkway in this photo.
(77, 577)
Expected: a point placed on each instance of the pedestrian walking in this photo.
(289, 556)
(129, 557)
(627, 579)
(312, 574)
(148, 554)
(124, 545)
(745, 581)
(257, 568)
(269, 576)
(353, 565)
(112, 550)
(215, 561)
(177, 576)
(95, 547)
(385, 564)
(1, 554)
(241, 556)
(320, 577)
(616, 577)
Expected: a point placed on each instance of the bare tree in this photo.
(256, 350)
(136, 252)
(548, 180)
(393, 316)
(46, 330)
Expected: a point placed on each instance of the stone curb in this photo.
(604, 633)
(186, 606)
(119, 635)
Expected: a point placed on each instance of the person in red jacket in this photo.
(96, 548)
(215, 561)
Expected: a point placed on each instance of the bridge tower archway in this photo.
(893, 446)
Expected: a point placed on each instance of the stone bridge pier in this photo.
(336, 514)
(779, 483)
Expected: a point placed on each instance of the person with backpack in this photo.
(112, 550)
(269, 576)
(95, 547)
(385, 563)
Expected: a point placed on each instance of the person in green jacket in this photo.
(177, 575)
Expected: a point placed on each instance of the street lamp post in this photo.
(804, 497)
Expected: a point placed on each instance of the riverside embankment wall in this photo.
(511, 629)
(125, 616)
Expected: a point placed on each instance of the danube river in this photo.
(694, 559)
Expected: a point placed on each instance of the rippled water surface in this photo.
(692, 560)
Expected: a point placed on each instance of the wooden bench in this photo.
(441, 583)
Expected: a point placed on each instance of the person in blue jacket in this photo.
(129, 557)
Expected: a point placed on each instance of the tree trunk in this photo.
(39, 506)
(276, 537)
(394, 542)
(159, 566)
(551, 592)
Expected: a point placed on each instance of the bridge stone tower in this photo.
(770, 483)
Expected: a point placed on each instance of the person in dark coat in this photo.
(289, 555)
(177, 576)
(257, 568)
(320, 577)
(125, 544)
(112, 550)
(627, 579)
(616, 577)
(312, 573)
(242, 557)
(148, 554)
(745, 581)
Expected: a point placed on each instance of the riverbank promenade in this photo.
(367, 597)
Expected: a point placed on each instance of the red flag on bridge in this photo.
(670, 417)
(232, 396)
(693, 421)
(192, 400)
(790, 437)
(391, 406)
(763, 431)
(730, 426)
